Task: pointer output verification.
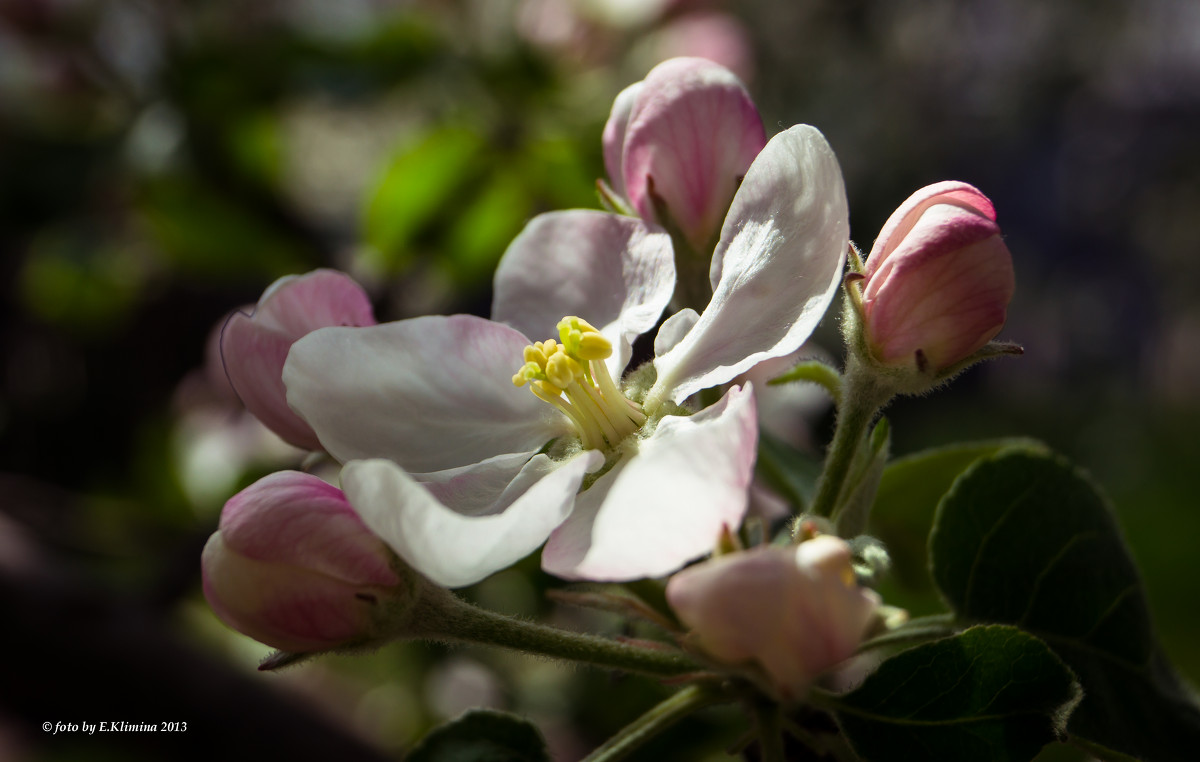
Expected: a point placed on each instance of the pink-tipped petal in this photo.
(775, 271)
(613, 138)
(454, 549)
(901, 221)
(284, 607)
(429, 393)
(299, 520)
(691, 136)
(255, 346)
(667, 505)
(615, 272)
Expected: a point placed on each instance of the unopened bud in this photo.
(293, 566)
(938, 280)
(795, 611)
(686, 135)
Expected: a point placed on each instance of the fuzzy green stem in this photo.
(816, 372)
(655, 721)
(441, 616)
(862, 398)
(768, 718)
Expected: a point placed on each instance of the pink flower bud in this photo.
(686, 134)
(254, 347)
(294, 567)
(939, 278)
(796, 611)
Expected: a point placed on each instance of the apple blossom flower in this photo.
(292, 565)
(938, 280)
(680, 141)
(463, 467)
(254, 346)
(796, 611)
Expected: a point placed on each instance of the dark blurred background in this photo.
(162, 162)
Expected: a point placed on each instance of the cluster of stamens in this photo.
(570, 374)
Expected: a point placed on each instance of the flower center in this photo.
(570, 374)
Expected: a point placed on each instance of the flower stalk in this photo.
(442, 616)
(655, 721)
(863, 395)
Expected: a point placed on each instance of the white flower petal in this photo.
(775, 271)
(430, 393)
(666, 505)
(453, 549)
(615, 272)
(673, 329)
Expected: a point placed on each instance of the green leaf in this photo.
(990, 693)
(421, 180)
(482, 735)
(1028, 540)
(908, 496)
(485, 227)
(788, 470)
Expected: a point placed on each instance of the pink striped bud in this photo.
(795, 611)
(685, 137)
(938, 280)
(294, 567)
(254, 347)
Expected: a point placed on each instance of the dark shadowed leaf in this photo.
(989, 694)
(1026, 539)
(482, 735)
(907, 498)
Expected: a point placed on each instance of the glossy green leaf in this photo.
(989, 694)
(908, 496)
(1028, 540)
(482, 735)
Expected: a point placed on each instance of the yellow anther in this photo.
(562, 370)
(569, 375)
(593, 346)
(571, 322)
(534, 354)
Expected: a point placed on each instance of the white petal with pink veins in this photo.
(454, 549)
(615, 272)
(667, 505)
(775, 271)
(429, 393)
